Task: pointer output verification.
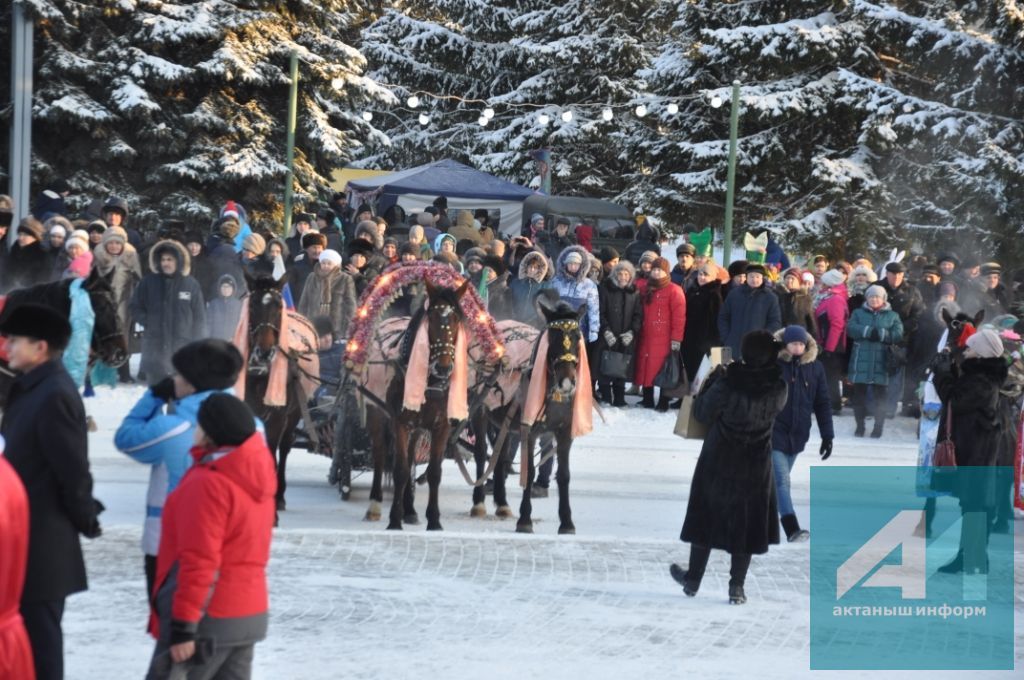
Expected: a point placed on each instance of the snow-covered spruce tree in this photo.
(524, 59)
(842, 142)
(182, 105)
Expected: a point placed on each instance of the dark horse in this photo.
(961, 327)
(266, 308)
(563, 360)
(108, 339)
(444, 320)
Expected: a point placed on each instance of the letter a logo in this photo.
(909, 576)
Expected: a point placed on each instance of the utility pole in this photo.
(20, 165)
(730, 187)
(293, 105)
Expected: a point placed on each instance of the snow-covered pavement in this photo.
(350, 600)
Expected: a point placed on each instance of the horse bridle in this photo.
(569, 355)
(443, 346)
(254, 332)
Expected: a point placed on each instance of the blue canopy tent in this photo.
(465, 188)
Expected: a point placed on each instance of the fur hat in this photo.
(948, 257)
(32, 227)
(254, 243)
(408, 248)
(986, 343)
(759, 348)
(40, 322)
(226, 419)
(494, 264)
(738, 267)
(228, 227)
(833, 277)
(210, 364)
(358, 246)
(876, 291)
(115, 234)
(313, 238)
(755, 268)
(872, 276)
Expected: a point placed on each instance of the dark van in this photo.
(613, 224)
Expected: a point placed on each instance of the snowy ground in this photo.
(351, 600)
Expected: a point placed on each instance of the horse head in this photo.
(564, 336)
(266, 308)
(108, 337)
(961, 327)
(444, 321)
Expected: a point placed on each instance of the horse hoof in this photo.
(478, 510)
(411, 519)
(281, 505)
(524, 528)
(504, 512)
(434, 526)
(372, 516)
(395, 526)
(570, 529)
(346, 494)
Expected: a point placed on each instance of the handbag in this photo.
(671, 373)
(945, 451)
(616, 365)
(895, 357)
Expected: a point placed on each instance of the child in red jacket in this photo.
(210, 603)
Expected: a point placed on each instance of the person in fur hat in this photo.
(750, 307)
(27, 263)
(170, 308)
(116, 255)
(313, 245)
(733, 505)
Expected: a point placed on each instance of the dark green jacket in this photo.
(869, 358)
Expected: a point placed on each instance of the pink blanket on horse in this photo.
(519, 340)
(296, 339)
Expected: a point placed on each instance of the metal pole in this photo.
(730, 187)
(293, 103)
(21, 118)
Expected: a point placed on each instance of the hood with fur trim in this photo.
(623, 265)
(581, 275)
(364, 228)
(530, 257)
(178, 250)
(809, 355)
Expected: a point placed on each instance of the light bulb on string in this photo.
(367, 116)
(672, 108)
(413, 101)
(640, 111)
(606, 114)
(424, 119)
(543, 119)
(716, 102)
(482, 121)
(337, 83)
(488, 113)
(566, 116)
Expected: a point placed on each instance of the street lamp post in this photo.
(21, 114)
(293, 104)
(730, 186)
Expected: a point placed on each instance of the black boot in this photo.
(876, 431)
(954, 567)
(619, 395)
(737, 577)
(736, 595)
(691, 578)
(662, 404)
(794, 534)
(648, 399)
(690, 586)
(859, 432)
(606, 393)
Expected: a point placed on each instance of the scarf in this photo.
(536, 393)
(415, 394)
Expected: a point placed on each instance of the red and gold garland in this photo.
(387, 288)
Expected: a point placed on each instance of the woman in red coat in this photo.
(15, 652)
(664, 323)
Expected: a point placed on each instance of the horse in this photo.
(960, 328)
(555, 404)
(396, 426)
(108, 339)
(261, 333)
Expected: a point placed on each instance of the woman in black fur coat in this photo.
(732, 503)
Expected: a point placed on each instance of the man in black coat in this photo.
(646, 239)
(750, 307)
(906, 301)
(47, 445)
(170, 308)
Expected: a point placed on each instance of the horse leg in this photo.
(502, 508)
(525, 523)
(411, 517)
(564, 439)
(438, 441)
(375, 424)
(479, 424)
(289, 423)
(401, 475)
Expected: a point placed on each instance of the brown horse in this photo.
(563, 364)
(444, 322)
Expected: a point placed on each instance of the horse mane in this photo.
(54, 294)
(409, 336)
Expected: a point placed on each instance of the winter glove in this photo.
(826, 449)
(609, 338)
(164, 390)
(676, 345)
(872, 334)
(627, 338)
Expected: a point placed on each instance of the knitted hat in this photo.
(226, 419)
(867, 271)
(57, 230)
(210, 364)
(648, 256)
(607, 254)
(77, 237)
(876, 291)
(807, 277)
(663, 264)
(254, 244)
(986, 343)
(795, 334)
(833, 277)
(331, 256)
(574, 256)
(40, 322)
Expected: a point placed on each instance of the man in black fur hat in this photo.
(47, 445)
